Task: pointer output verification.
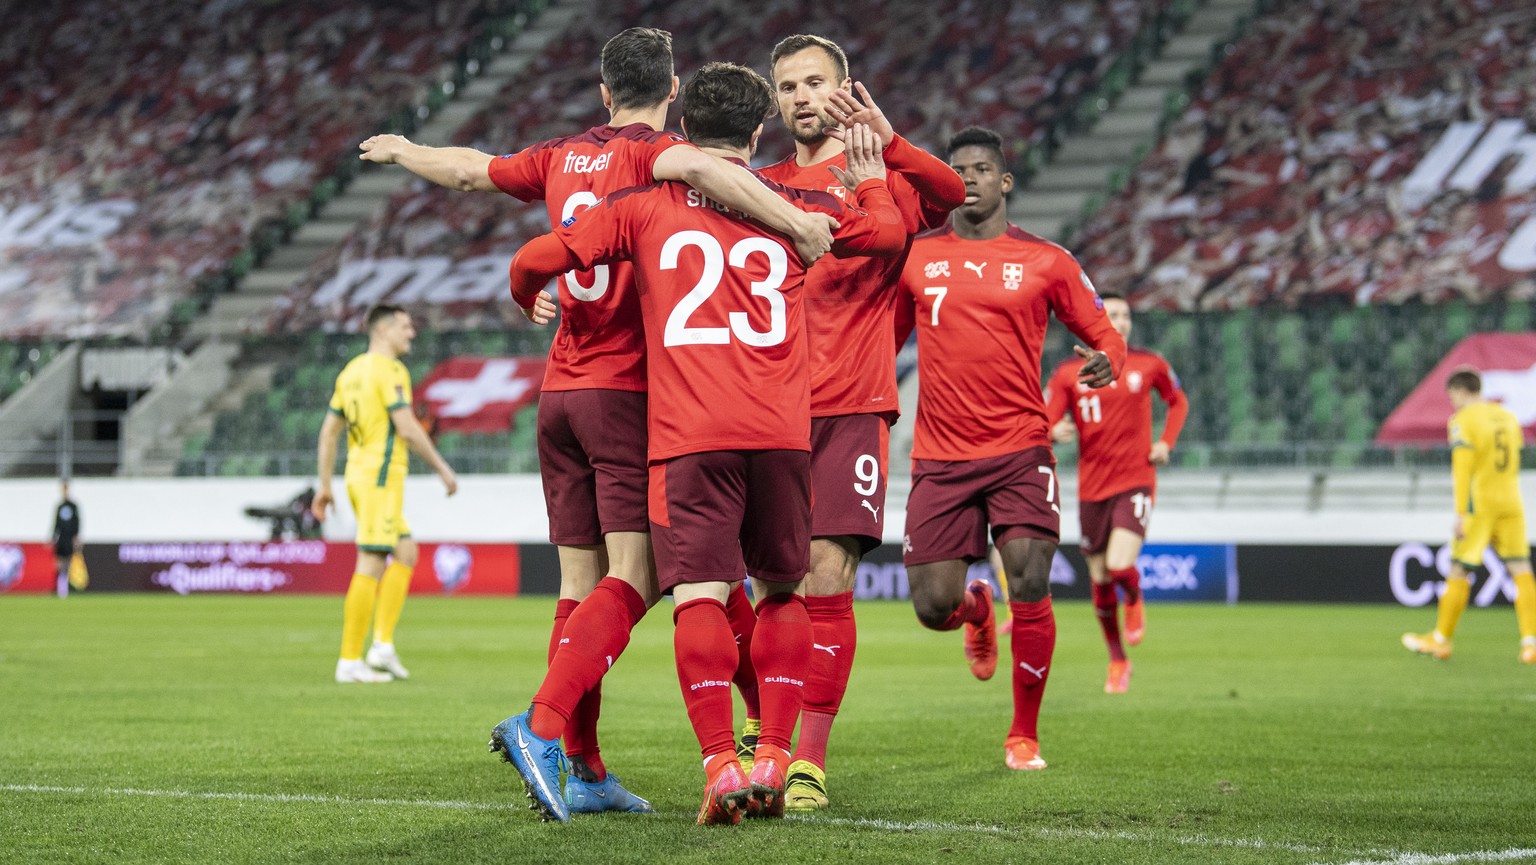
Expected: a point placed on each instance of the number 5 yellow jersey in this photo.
(1485, 459)
(367, 390)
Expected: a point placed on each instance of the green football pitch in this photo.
(207, 729)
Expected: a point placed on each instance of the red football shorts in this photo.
(848, 469)
(592, 460)
(1130, 510)
(717, 516)
(954, 501)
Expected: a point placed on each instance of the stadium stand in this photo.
(1314, 165)
(1020, 67)
(139, 165)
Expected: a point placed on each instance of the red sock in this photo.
(972, 610)
(1105, 604)
(1034, 640)
(706, 657)
(1129, 581)
(563, 609)
(595, 635)
(781, 652)
(834, 636)
(738, 609)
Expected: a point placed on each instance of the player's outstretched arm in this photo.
(461, 168)
(737, 188)
(416, 439)
(326, 454)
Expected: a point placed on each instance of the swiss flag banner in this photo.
(480, 394)
(1507, 363)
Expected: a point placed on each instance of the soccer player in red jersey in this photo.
(721, 299)
(1117, 474)
(592, 408)
(851, 307)
(980, 293)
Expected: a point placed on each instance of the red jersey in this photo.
(981, 308)
(599, 343)
(850, 301)
(1114, 423)
(722, 301)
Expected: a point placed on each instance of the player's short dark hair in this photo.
(1112, 295)
(1465, 379)
(637, 67)
(380, 312)
(976, 136)
(801, 41)
(723, 104)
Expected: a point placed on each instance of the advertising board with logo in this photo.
(1170, 572)
(260, 568)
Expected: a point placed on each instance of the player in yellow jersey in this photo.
(1485, 464)
(373, 402)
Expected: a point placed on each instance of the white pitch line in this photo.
(257, 797)
(1392, 857)
(1513, 854)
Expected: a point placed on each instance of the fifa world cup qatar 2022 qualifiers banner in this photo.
(1411, 574)
(259, 568)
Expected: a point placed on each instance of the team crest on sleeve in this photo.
(1133, 381)
(934, 269)
(400, 392)
(1013, 275)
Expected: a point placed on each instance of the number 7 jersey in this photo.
(722, 301)
(981, 308)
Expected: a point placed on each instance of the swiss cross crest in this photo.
(935, 269)
(1133, 381)
(839, 191)
(1013, 275)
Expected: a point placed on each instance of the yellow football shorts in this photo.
(380, 514)
(1505, 532)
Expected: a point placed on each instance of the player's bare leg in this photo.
(995, 559)
(1120, 554)
(1027, 565)
(943, 602)
(1525, 606)
(1437, 643)
(829, 601)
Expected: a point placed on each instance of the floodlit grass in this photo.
(207, 729)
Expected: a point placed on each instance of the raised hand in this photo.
(863, 154)
(848, 109)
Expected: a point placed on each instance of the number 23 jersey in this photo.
(722, 301)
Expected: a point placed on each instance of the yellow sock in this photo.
(1452, 604)
(1525, 604)
(355, 615)
(392, 591)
